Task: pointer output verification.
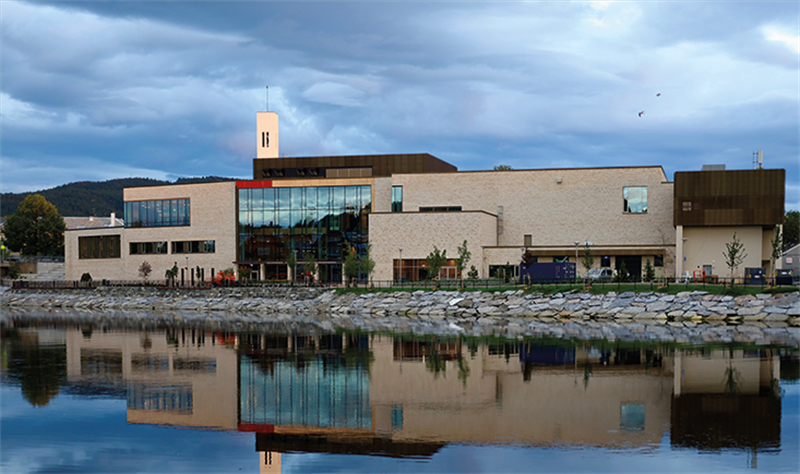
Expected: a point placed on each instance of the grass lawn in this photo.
(598, 288)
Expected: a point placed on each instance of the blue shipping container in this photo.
(547, 271)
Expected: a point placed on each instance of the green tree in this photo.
(502, 168)
(649, 271)
(777, 247)
(464, 256)
(587, 259)
(734, 255)
(172, 273)
(368, 264)
(36, 228)
(622, 273)
(351, 267)
(310, 265)
(791, 229)
(291, 262)
(435, 260)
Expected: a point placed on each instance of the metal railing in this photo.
(36, 259)
(467, 284)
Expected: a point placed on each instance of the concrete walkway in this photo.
(53, 272)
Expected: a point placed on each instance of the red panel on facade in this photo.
(253, 184)
(256, 428)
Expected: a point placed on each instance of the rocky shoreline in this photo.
(690, 317)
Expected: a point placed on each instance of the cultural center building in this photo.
(405, 204)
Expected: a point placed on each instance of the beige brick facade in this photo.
(555, 207)
(502, 214)
(212, 217)
(705, 248)
(417, 232)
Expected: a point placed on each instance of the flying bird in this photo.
(641, 113)
(658, 95)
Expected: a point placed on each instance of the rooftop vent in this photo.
(713, 167)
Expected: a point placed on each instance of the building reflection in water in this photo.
(393, 396)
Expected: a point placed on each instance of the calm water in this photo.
(83, 398)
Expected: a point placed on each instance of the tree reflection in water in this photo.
(39, 369)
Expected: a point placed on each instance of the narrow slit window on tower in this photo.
(266, 135)
(262, 139)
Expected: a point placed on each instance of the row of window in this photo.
(108, 246)
(440, 209)
(605, 260)
(306, 198)
(184, 246)
(165, 212)
(634, 199)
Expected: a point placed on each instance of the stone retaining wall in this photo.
(691, 317)
(693, 306)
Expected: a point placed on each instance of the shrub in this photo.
(86, 278)
(472, 274)
(145, 269)
(14, 272)
(225, 277)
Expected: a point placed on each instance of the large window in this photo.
(504, 271)
(634, 199)
(100, 246)
(324, 221)
(148, 248)
(397, 199)
(193, 246)
(166, 212)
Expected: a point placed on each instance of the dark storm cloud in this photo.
(170, 88)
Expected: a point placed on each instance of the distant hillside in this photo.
(92, 198)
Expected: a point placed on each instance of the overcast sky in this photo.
(102, 90)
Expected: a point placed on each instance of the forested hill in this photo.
(92, 198)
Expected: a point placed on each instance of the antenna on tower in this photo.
(267, 99)
(758, 159)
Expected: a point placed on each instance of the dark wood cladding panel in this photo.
(729, 198)
(382, 165)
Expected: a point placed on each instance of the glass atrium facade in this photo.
(320, 220)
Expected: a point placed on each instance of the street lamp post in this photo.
(683, 256)
(294, 270)
(400, 267)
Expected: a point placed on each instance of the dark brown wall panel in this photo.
(728, 198)
(382, 165)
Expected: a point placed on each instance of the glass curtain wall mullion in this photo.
(317, 219)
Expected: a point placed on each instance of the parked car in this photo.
(600, 274)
